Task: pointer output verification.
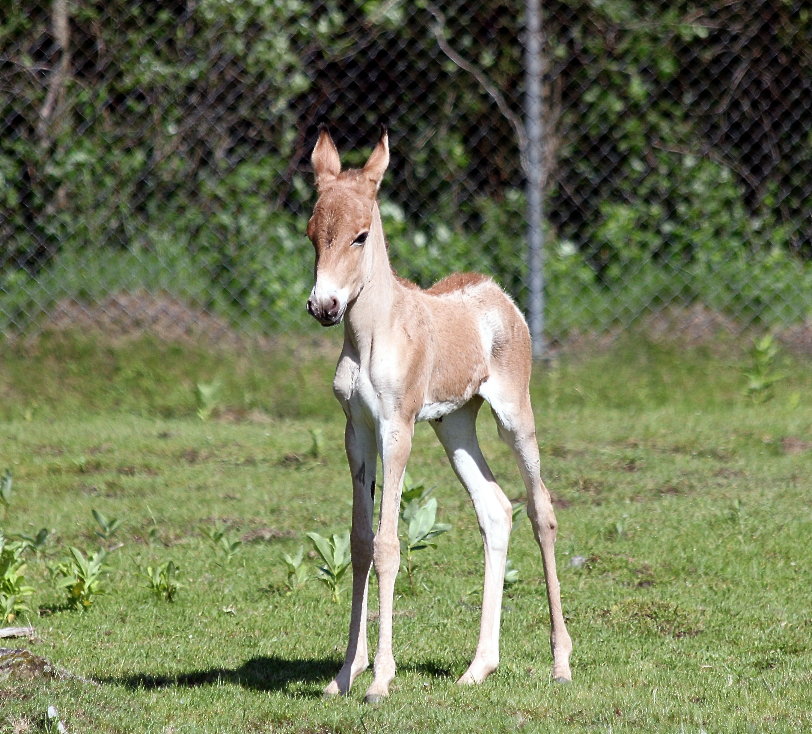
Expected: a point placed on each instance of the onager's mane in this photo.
(421, 355)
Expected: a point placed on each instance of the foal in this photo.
(420, 355)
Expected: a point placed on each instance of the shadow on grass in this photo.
(260, 674)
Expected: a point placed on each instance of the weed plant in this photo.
(162, 580)
(14, 592)
(81, 577)
(334, 553)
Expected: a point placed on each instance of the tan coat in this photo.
(410, 355)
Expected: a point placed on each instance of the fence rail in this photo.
(154, 156)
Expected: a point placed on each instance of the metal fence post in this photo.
(534, 174)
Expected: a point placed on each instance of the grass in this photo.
(684, 548)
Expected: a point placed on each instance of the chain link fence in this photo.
(154, 157)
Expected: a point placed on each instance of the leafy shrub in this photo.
(421, 532)
(296, 572)
(80, 576)
(162, 580)
(6, 488)
(107, 525)
(334, 553)
(221, 539)
(13, 589)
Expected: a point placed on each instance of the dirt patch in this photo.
(797, 338)
(693, 325)
(22, 665)
(126, 315)
(267, 535)
(793, 445)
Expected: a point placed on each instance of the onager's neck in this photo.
(370, 314)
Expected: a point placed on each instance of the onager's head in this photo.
(340, 225)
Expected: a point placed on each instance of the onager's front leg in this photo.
(396, 444)
(363, 457)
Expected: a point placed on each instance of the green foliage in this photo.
(413, 492)
(223, 540)
(421, 531)
(214, 212)
(517, 514)
(763, 374)
(33, 542)
(296, 574)
(334, 553)
(6, 486)
(162, 580)
(13, 589)
(81, 577)
(511, 574)
(208, 395)
(107, 525)
(316, 443)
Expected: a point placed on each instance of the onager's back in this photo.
(413, 355)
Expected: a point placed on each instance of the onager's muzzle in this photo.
(327, 311)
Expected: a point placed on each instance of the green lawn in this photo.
(685, 547)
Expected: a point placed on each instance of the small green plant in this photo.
(296, 572)
(107, 525)
(762, 374)
(162, 580)
(518, 513)
(316, 443)
(421, 530)
(335, 556)
(13, 589)
(413, 492)
(80, 576)
(208, 395)
(511, 574)
(34, 543)
(6, 486)
(618, 529)
(220, 537)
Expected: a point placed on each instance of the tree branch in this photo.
(60, 29)
(439, 34)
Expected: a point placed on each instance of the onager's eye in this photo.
(360, 239)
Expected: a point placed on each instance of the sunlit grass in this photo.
(683, 550)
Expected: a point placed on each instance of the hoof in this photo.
(562, 679)
(373, 699)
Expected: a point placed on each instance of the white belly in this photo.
(433, 411)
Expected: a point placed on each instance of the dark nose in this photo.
(332, 307)
(323, 311)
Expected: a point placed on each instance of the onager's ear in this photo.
(378, 160)
(325, 160)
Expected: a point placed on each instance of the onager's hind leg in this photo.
(516, 424)
(457, 433)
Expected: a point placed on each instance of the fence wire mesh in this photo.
(154, 156)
